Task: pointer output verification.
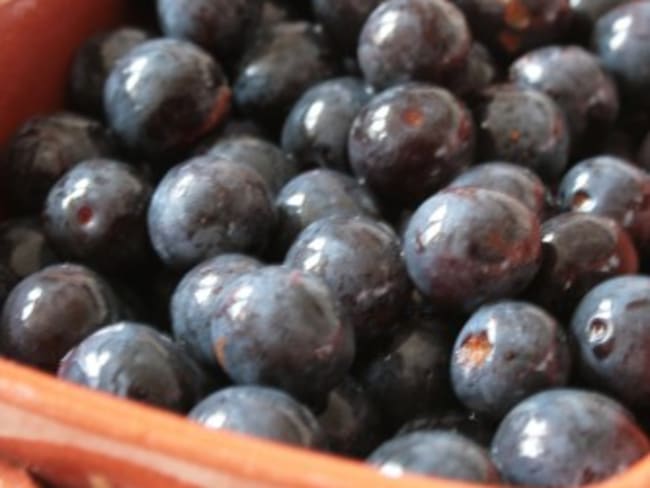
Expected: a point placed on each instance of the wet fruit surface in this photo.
(408, 141)
(566, 437)
(466, 246)
(412, 40)
(281, 327)
(361, 262)
(523, 126)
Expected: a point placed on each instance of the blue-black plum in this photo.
(280, 327)
(209, 206)
(506, 352)
(360, 260)
(262, 412)
(467, 246)
(51, 310)
(566, 438)
(435, 453)
(135, 361)
(194, 301)
(97, 214)
(162, 96)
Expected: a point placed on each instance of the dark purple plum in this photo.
(360, 260)
(462, 422)
(610, 187)
(412, 40)
(51, 310)
(263, 156)
(316, 130)
(566, 438)
(350, 420)
(24, 248)
(514, 26)
(209, 206)
(162, 96)
(410, 140)
(610, 327)
(283, 61)
(94, 61)
(220, 26)
(97, 214)
(578, 252)
(435, 453)
(508, 351)
(262, 412)
(620, 38)
(467, 246)
(410, 375)
(194, 300)
(280, 327)
(343, 20)
(523, 126)
(315, 195)
(43, 149)
(574, 79)
(135, 361)
(513, 180)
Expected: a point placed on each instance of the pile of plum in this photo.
(408, 231)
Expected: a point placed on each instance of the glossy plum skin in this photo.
(410, 140)
(523, 126)
(280, 327)
(262, 412)
(360, 260)
(343, 20)
(50, 311)
(135, 361)
(316, 130)
(506, 352)
(221, 27)
(435, 453)
(314, 195)
(162, 96)
(24, 248)
(610, 329)
(466, 246)
(513, 27)
(412, 40)
(578, 252)
(263, 156)
(194, 302)
(574, 79)
(209, 206)
(620, 39)
(513, 180)
(43, 149)
(610, 187)
(93, 62)
(97, 214)
(350, 420)
(283, 61)
(459, 421)
(409, 376)
(566, 438)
